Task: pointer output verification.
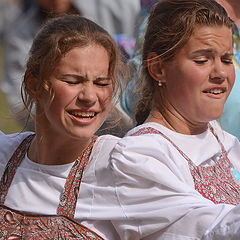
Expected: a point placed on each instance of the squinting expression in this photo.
(82, 93)
(201, 76)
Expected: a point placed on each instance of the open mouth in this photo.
(215, 91)
(83, 115)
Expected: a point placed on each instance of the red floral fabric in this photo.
(216, 182)
(20, 225)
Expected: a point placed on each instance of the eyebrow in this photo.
(209, 50)
(79, 77)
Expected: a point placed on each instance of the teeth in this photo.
(216, 91)
(84, 114)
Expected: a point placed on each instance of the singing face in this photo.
(82, 93)
(201, 75)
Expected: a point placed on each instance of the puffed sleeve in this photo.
(156, 192)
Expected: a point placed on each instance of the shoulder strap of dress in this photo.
(216, 136)
(150, 130)
(69, 196)
(12, 166)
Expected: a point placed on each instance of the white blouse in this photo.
(147, 191)
(156, 190)
(36, 188)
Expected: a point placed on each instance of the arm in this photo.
(227, 228)
(156, 191)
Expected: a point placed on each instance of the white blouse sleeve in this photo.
(156, 194)
(227, 228)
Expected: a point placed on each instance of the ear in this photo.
(156, 67)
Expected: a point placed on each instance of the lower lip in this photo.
(84, 121)
(216, 96)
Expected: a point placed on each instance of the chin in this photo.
(215, 114)
(81, 134)
(213, 118)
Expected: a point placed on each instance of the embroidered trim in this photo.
(12, 166)
(68, 199)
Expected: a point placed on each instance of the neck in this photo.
(49, 148)
(176, 122)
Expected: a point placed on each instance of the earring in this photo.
(159, 84)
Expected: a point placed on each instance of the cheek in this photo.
(184, 87)
(105, 97)
(179, 82)
(195, 79)
(232, 77)
(59, 102)
(64, 96)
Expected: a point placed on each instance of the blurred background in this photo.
(21, 19)
(9, 10)
(8, 123)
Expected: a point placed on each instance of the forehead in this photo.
(90, 61)
(89, 54)
(218, 38)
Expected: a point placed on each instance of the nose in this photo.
(218, 73)
(87, 96)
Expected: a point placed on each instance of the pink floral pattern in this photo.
(216, 182)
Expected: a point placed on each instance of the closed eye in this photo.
(71, 82)
(103, 82)
(200, 62)
(227, 61)
(71, 79)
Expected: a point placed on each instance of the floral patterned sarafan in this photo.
(20, 225)
(217, 182)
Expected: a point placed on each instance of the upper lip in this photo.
(215, 90)
(82, 112)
